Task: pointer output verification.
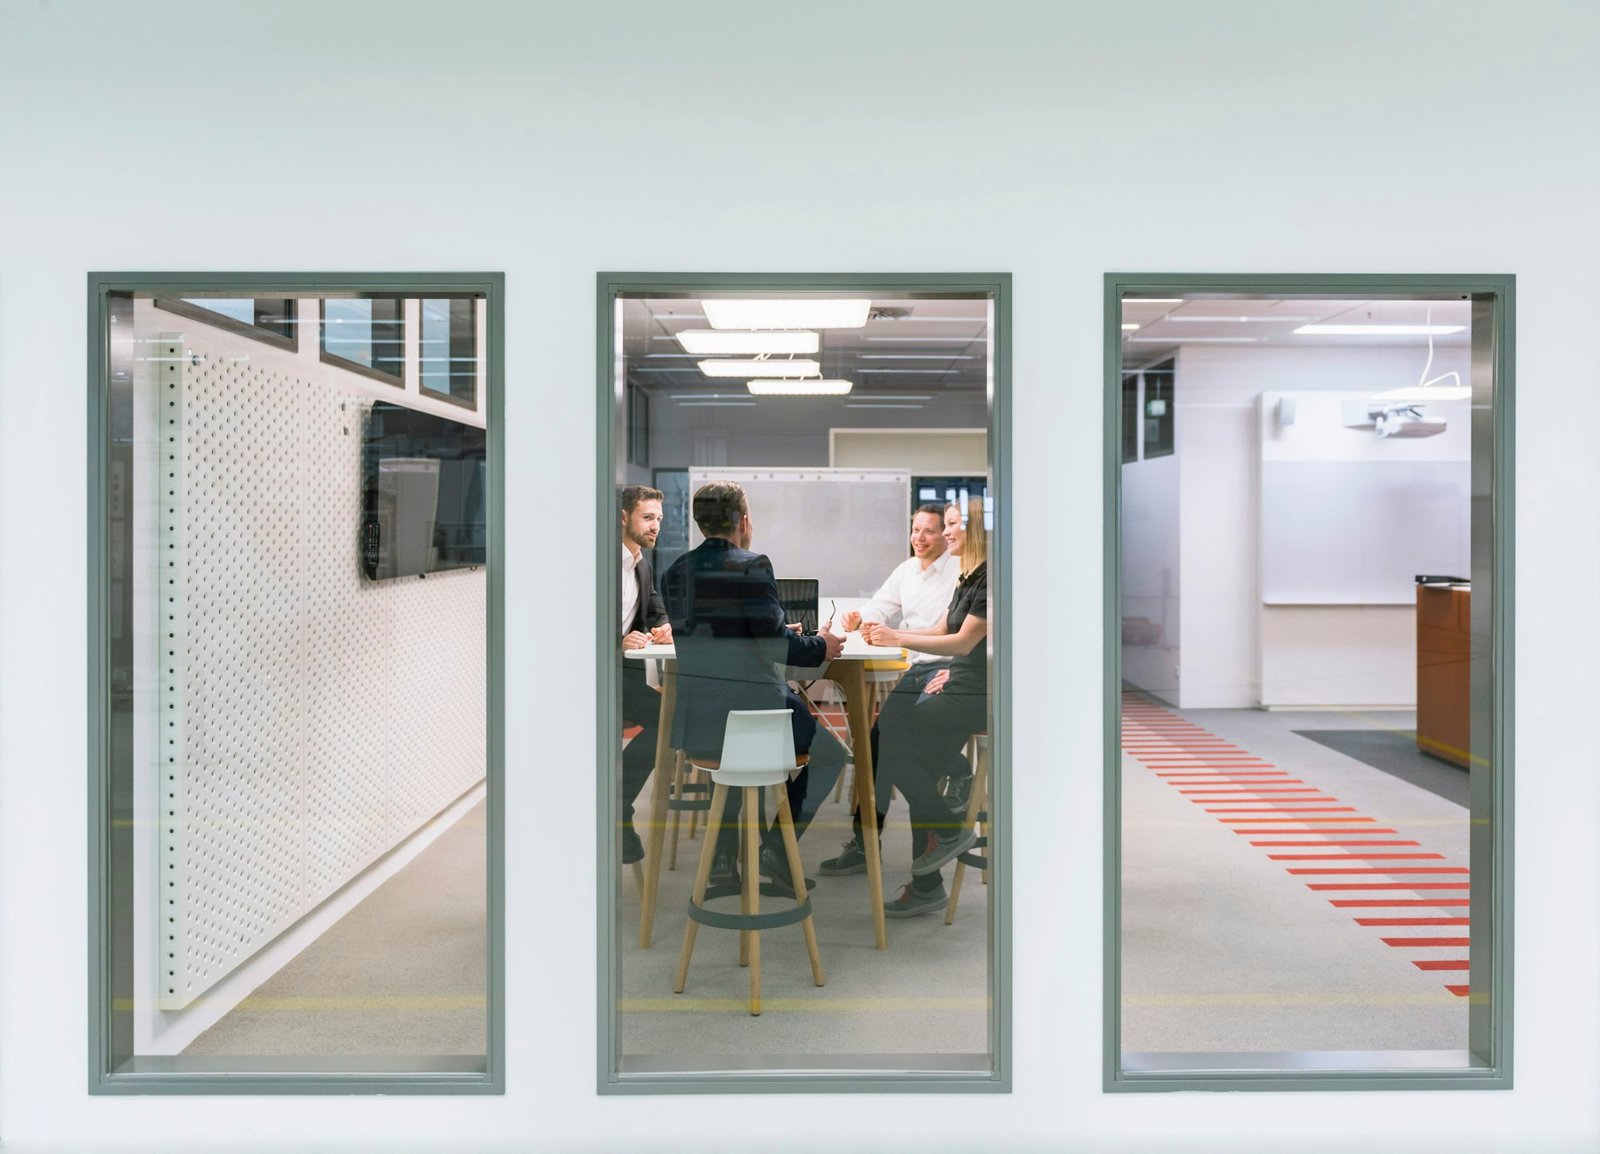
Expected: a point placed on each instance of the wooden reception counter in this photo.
(1444, 650)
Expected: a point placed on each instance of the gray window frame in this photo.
(610, 285)
(167, 1075)
(218, 320)
(1491, 930)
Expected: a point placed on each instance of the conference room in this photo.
(854, 423)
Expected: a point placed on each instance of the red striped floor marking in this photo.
(1459, 991)
(1228, 779)
(1426, 941)
(1411, 921)
(1414, 887)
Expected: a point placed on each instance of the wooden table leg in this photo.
(851, 677)
(658, 803)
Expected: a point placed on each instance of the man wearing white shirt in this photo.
(915, 596)
(643, 620)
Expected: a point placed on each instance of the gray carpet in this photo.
(1395, 751)
(403, 973)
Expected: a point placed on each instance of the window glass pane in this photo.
(1299, 786)
(448, 360)
(366, 332)
(859, 495)
(297, 687)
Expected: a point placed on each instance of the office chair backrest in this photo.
(798, 596)
(758, 741)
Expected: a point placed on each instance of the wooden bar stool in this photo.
(757, 751)
(977, 815)
(691, 794)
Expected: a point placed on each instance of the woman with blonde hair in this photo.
(926, 721)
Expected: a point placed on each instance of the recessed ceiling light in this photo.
(1152, 300)
(1129, 327)
(787, 314)
(809, 388)
(708, 342)
(1378, 330)
(749, 368)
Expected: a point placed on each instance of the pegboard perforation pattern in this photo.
(320, 718)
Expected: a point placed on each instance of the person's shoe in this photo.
(724, 867)
(910, 903)
(852, 859)
(775, 865)
(956, 793)
(632, 847)
(943, 845)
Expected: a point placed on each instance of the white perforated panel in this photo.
(320, 717)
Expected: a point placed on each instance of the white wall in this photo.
(1219, 446)
(1053, 141)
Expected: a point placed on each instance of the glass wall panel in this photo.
(368, 334)
(806, 493)
(297, 681)
(1307, 708)
(448, 364)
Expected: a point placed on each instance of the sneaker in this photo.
(775, 865)
(943, 845)
(956, 792)
(852, 859)
(724, 867)
(632, 847)
(910, 903)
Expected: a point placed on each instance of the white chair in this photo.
(757, 751)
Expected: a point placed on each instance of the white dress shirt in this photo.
(630, 586)
(914, 597)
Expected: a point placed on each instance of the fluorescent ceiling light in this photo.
(1229, 319)
(1194, 340)
(813, 388)
(1419, 394)
(1152, 300)
(916, 357)
(747, 368)
(1378, 330)
(787, 314)
(707, 342)
(1129, 327)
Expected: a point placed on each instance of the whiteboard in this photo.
(1358, 532)
(848, 528)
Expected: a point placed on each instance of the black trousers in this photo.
(641, 705)
(955, 767)
(921, 740)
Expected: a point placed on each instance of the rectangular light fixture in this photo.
(748, 368)
(787, 314)
(706, 342)
(1129, 326)
(811, 388)
(1152, 300)
(1196, 318)
(1378, 330)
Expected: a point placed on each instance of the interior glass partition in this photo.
(828, 455)
(294, 620)
(1309, 574)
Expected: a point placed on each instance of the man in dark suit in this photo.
(644, 619)
(729, 629)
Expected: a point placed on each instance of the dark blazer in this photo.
(728, 627)
(648, 612)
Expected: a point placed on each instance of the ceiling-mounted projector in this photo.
(1392, 419)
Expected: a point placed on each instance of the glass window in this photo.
(1311, 769)
(366, 334)
(448, 359)
(274, 320)
(1130, 416)
(294, 854)
(821, 455)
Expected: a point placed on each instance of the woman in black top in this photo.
(934, 710)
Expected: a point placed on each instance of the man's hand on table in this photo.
(635, 640)
(661, 634)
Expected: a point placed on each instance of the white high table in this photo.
(849, 672)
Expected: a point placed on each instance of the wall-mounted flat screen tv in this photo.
(424, 493)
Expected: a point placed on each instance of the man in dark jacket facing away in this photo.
(728, 626)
